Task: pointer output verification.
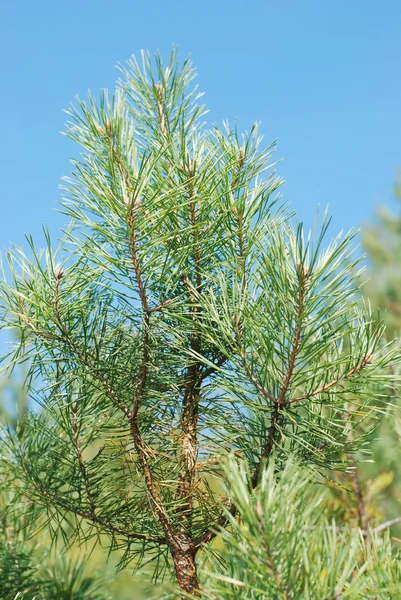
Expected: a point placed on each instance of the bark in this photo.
(183, 553)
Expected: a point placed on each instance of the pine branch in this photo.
(98, 520)
(82, 466)
(65, 340)
(190, 404)
(302, 274)
(280, 402)
(327, 386)
(139, 386)
(270, 558)
(383, 526)
(259, 387)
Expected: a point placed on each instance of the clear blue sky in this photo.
(324, 77)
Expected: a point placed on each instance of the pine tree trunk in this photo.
(185, 567)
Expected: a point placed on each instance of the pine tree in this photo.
(183, 317)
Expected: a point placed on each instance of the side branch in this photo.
(240, 219)
(327, 386)
(303, 274)
(140, 383)
(98, 520)
(281, 402)
(65, 340)
(139, 387)
(259, 387)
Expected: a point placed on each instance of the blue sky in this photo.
(322, 76)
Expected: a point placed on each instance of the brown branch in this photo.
(326, 387)
(101, 521)
(139, 386)
(140, 383)
(239, 216)
(280, 402)
(190, 404)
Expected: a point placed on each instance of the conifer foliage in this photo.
(283, 546)
(183, 317)
(382, 242)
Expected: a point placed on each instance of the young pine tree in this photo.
(182, 318)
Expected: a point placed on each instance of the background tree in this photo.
(381, 479)
(382, 241)
(183, 317)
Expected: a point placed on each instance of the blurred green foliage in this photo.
(382, 242)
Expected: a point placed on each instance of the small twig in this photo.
(101, 521)
(384, 526)
(65, 340)
(210, 370)
(160, 306)
(254, 379)
(303, 274)
(324, 388)
(280, 402)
